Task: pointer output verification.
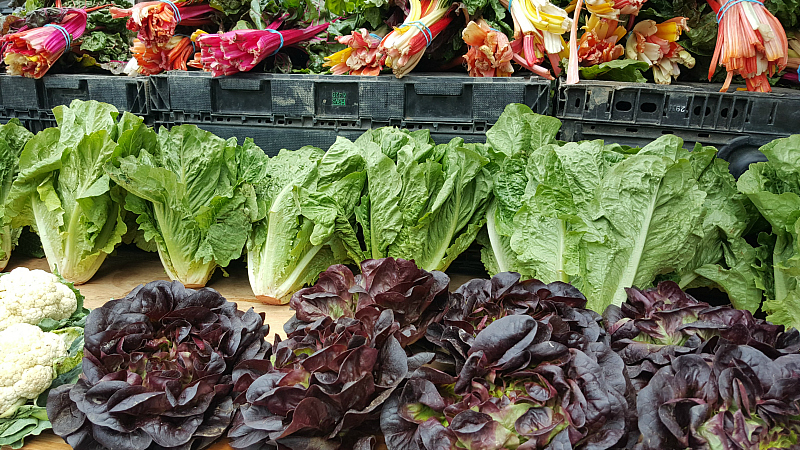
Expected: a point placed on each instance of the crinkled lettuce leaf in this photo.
(13, 138)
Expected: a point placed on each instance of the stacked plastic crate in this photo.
(288, 111)
(32, 101)
(737, 123)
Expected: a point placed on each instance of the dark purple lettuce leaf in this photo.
(478, 303)
(416, 297)
(328, 384)
(657, 325)
(158, 370)
(737, 397)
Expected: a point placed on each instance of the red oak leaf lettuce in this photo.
(157, 370)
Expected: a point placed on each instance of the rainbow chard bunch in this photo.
(155, 22)
(737, 397)
(344, 356)
(489, 53)
(538, 29)
(751, 42)
(404, 46)
(173, 55)
(360, 57)
(527, 369)
(656, 325)
(31, 51)
(656, 45)
(241, 50)
(157, 370)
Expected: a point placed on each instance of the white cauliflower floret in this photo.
(28, 296)
(28, 357)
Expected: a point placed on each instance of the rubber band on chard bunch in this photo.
(361, 57)
(33, 51)
(157, 370)
(489, 53)
(751, 42)
(656, 45)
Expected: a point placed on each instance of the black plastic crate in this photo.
(690, 106)
(19, 94)
(739, 149)
(266, 99)
(125, 93)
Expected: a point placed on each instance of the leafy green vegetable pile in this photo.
(12, 139)
(600, 217)
(606, 218)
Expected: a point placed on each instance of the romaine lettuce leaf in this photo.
(424, 202)
(605, 218)
(774, 189)
(308, 198)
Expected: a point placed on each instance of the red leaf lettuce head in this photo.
(417, 297)
(656, 325)
(477, 304)
(737, 397)
(326, 387)
(517, 389)
(157, 370)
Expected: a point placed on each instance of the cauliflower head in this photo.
(28, 357)
(28, 296)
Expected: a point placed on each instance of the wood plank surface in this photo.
(131, 267)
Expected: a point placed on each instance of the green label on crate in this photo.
(338, 98)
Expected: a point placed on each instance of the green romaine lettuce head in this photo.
(516, 135)
(306, 205)
(723, 259)
(774, 188)
(63, 193)
(13, 138)
(193, 194)
(605, 218)
(424, 202)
